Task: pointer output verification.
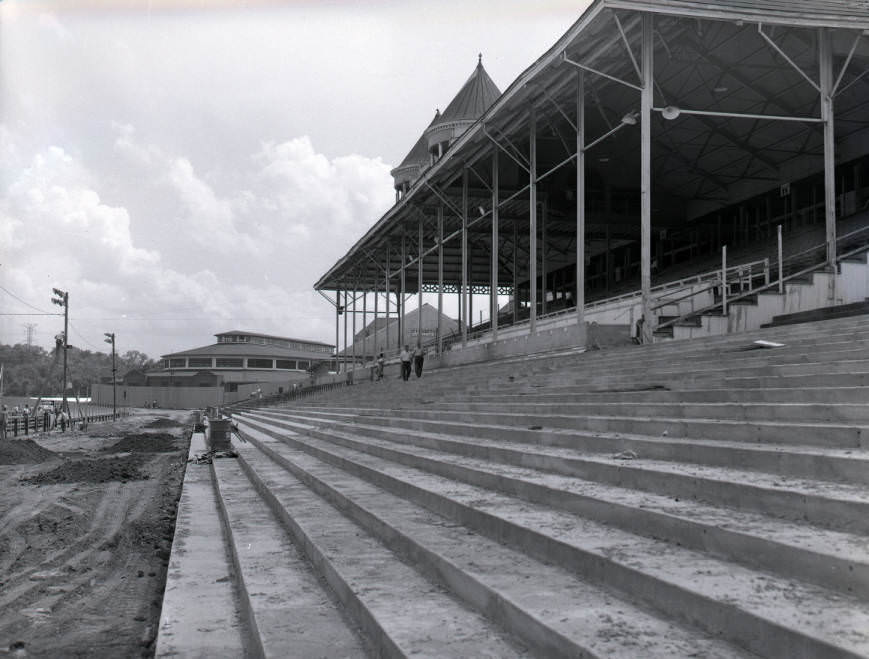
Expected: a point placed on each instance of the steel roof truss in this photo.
(599, 73)
(627, 46)
(846, 64)
(781, 52)
(504, 149)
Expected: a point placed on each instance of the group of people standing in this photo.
(52, 417)
(410, 359)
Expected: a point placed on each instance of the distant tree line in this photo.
(31, 370)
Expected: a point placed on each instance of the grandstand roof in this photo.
(709, 56)
(826, 13)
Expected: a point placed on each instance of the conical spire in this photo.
(475, 97)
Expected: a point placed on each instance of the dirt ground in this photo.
(86, 526)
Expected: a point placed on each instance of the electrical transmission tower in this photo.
(28, 328)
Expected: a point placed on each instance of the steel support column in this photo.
(494, 279)
(419, 287)
(463, 293)
(826, 79)
(580, 200)
(346, 313)
(376, 349)
(440, 333)
(387, 292)
(353, 327)
(515, 271)
(337, 325)
(401, 328)
(532, 223)
(364, 327)
(646, 99)
(543, 217)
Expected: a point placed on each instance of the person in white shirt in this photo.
(405, 363)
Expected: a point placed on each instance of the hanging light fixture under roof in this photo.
(671, 112)
(630, 119)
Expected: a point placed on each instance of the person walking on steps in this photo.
(405, 363)
(418, 357)
(381, 362)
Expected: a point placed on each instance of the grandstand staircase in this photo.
(684, 499)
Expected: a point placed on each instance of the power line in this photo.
(27, 304)
(81, 336)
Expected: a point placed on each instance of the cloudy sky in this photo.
(185, 168)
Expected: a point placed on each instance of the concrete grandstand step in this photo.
(574, 619)
(200, 616)
(793, 485)
(830, 435)
(857, 413)
(754, 608)
(289, 609)
(828, 558)
(663, 395)
(401, 612)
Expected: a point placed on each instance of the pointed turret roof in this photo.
(418, 155)
(474, 98)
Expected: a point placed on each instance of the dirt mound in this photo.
(163, 423)
(145, 443)
(23, 451)
(92, 471)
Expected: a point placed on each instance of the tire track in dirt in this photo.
(116, 506)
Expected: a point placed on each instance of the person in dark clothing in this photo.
(418, 357)
(381, 362)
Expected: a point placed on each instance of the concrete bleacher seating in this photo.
(688, 498)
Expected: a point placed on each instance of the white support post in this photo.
(353, 325)
(338, 311)
(401, 328)
(364, 327)
(580, 200)
(532, 223)
(463, 294)
(375, 349)
(827, 116)
(543, 218)
(387, 292)
(494, 279)
(724, 280)
(419, 287)
(781, 283)
(440, 277)
(515, 271)
(646, 178)
(346, 313)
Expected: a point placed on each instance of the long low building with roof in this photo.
(237, 365)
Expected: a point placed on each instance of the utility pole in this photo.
(110, 338)
(62, 300)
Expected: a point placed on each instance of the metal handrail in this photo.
(792, 259)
